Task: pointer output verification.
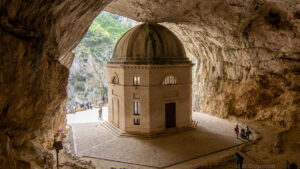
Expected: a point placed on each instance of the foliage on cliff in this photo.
(86, 80)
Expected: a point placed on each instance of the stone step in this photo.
(195, 124)
(113, 129)
(117, 132)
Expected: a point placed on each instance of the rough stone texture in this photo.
(36, 40)
(248, 56)
(247, 52)
(241, 81)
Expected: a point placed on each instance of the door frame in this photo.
(173, 123)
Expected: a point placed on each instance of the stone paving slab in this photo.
(213, 135)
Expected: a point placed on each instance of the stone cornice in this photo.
(134, 66)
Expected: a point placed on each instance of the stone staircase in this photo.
(195, 124)
(119, 133)
(113, 129)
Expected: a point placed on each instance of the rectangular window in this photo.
(136, 108)
(136, 121)
(136, 80)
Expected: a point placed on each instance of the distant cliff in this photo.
(87, 81)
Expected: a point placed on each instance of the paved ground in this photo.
(88, 116)
(92, 140)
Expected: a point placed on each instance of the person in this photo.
(248, 133)
(100, 113)
(243, 134)
(103, 100)
(83, 106)
(293, 166)
(239, 160)
(74, 108)
(236, 129)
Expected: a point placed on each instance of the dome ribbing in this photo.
(149, 43)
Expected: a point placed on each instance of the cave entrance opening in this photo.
(88, 96)
(87, 85)
(96, 138)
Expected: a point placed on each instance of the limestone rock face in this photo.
(247, 53)
(36, 40)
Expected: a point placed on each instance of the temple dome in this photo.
(149, 43)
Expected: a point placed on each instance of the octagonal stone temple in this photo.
(149, 81)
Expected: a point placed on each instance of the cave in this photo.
(247, 70)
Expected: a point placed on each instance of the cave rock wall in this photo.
(35, 48)
(247, 53)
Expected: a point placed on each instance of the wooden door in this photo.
(170, 109)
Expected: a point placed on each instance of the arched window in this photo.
(115, 80)
(170, 80)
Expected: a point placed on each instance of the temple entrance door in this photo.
(170, 109)
(115, 111)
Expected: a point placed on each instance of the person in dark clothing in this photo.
(248, 133)
(293, 166)
(287, 164)
(243, 134)
(100, 113)
(239, 160)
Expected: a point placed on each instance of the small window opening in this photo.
(169, 80)
(136, 80)
(136, 108)
(136, 121)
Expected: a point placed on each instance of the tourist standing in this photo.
(236, 129)
(293, 166)
(100, 113)
(243, 133)
(74, 108)
(248, 133)
(239, 161)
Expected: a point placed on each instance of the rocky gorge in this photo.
(247, 52)
(87, 82)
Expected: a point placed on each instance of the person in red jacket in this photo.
(236, 129)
